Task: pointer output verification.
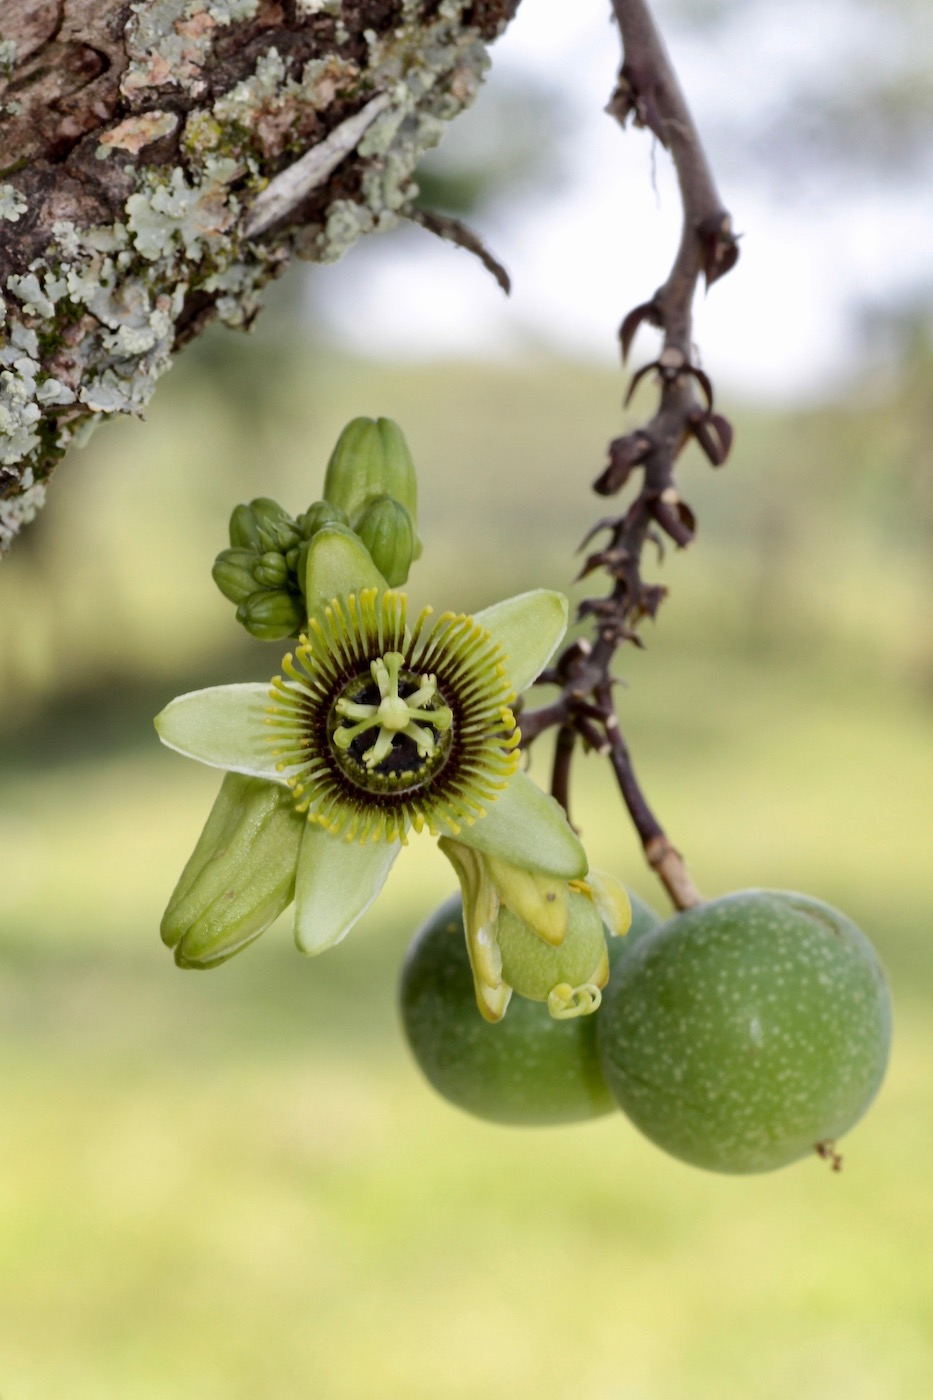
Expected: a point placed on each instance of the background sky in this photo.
(820, 243)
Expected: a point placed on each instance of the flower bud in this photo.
(244, 529)
(271, 570)
(567, 976)
(354, 471)
(270, 614)
(277, 530)
(371, 459)
(318, 514)
(240, 876)
(386, 529)
(233, 573)
(398, 469)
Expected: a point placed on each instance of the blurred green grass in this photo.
(235, 1185)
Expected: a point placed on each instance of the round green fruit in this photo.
(747, 1032)
(526, 1069)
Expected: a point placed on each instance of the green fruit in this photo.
(747, 1032)
(527, 1069)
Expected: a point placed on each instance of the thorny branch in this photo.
(584, 711)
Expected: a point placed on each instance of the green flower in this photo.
(536, 934)
(377, 726)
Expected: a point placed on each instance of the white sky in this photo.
(582, 254)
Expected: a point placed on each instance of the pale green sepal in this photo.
(338, 563)
(612, 902)
(526, 827)
(529, 627)
(225, 727)
(240, 876)
(337, 882)
(480, 900)
(540, 901)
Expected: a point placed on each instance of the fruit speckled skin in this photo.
(528, 1069)
(744, 1032)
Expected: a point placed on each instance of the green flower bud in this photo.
(277, 530)
(271, 570)
(233, 573)
(386, 529)
(354, 472)
(398, 469)
(240, 876)
(271, 614)
(371, 459)
(244, 529)
(567, 976)
(321, 513)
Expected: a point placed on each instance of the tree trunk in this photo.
(161, 161)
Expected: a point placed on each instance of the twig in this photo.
(648, 91)
(286, 191)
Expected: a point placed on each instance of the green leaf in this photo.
(337, 882)
(528, 828)
(529, 627)
(225, 727)
(338, 563)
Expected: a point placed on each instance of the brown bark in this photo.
(160, 162)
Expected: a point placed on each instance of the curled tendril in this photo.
(565, 1002)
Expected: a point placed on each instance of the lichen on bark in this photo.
(135, 142)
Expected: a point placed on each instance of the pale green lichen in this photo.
(12, 203)
(19, 510)
(317, 7)
(169, 211)
(20, 411)
(104, 302)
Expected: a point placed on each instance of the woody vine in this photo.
(584, 712)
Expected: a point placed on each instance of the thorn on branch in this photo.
(636, 95)
(625, 453)
(658, 543)
(719, 245)
(670, 365)
(713, 432)
(649, 311)
(650, 600)
(608, 522)
(674, 517)
(593, 739)
(454, 231)
(614, 561)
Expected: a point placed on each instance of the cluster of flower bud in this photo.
(369, 490)
(371, 478)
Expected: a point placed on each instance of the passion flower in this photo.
(380, 727)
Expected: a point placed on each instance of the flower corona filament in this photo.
(379, 728)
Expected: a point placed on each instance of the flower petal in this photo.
(338, 563)
(529, 627)
(337, 882)
(225, 727)
(528, 828)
